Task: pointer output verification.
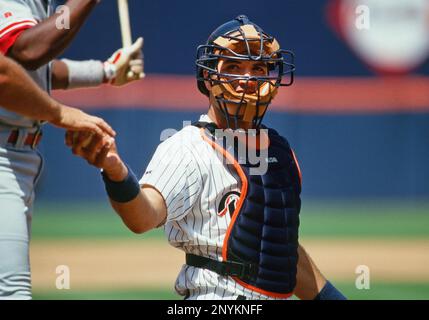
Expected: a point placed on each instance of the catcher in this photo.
(236, 221)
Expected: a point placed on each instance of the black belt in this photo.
(224, 268)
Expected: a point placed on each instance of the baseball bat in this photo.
(124, 19)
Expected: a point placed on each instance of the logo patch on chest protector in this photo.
(228, 203)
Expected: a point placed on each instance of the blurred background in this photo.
(357, 118)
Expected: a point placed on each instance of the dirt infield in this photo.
(107, 264)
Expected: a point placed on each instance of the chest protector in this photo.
(263, 233)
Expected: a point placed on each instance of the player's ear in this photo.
(207, 83)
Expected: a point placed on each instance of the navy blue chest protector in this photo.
(264, 230)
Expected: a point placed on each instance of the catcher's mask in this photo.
(241, 40)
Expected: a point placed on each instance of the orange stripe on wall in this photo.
(307, 95)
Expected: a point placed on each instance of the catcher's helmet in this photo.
(242, 40)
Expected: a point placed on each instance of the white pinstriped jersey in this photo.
(193, 179)
(15, 15)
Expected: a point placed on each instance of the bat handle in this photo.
(124, 18)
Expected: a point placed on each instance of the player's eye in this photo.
(260, 69)
(231, 68)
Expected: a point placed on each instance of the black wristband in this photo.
(329, 292)
(122, 191)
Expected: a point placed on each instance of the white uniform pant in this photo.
(19, 171)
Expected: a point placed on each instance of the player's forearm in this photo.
(69, 74)
(18, 93)
(144, 212)
(309, 279)
(138, 215)
(44, 42)
(60, 75)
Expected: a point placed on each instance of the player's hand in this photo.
(125, 65)
(74, 119)
(100, 152)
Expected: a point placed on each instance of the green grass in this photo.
(387, 220)
(377, 291)
(365, 218)
(81, 220)
(155, 294)
(348, 219)
(386, 291)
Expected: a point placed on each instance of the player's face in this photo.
(246, 69)
(230, 70)
(243, 86)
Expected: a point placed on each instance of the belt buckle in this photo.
(36, 138)
(241, 269)
(235, 269)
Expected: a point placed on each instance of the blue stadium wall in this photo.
(342, 156)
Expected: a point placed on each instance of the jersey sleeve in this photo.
(174, 173)
(15, 18)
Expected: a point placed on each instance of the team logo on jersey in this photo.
(8, 14)
(228, 203)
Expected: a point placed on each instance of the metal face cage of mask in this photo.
(253, 45)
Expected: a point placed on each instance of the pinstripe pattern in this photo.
(192, 179)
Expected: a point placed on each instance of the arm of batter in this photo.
(18, 92)
(42, 43)
(124, 66)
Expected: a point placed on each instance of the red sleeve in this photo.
(8, 38)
